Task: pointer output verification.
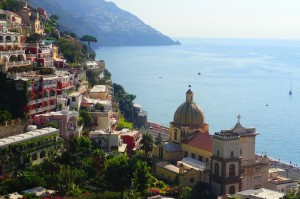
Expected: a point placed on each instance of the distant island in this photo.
(111, 25)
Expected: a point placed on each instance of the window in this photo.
(232, 170)
(160, 152)
(186, 154)
(232, 189)
(200, 158)
(218, 153)
(193, 155)
(34, 157)
(257, 169)
(217, 169)
(175, 135)
(73, 99)
(192, 180)
(42, 154)
(231, 154)
(243, 171)
(241, 152)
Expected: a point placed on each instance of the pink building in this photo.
(66, 120)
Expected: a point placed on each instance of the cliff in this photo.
(111, 25)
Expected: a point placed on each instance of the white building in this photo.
(107, 140)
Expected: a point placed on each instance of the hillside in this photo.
(111, 25)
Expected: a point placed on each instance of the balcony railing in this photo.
(31, 102)
(31, 56)
(39, 110)
(9, 52)
(32, 111)
(53, 97)
(39, 100)
(49, 86)
(8, 43)
(18, 63)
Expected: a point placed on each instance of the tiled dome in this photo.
(189, 113)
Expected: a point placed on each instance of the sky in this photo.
(273, 19)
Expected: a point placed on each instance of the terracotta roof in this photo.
(201, 140)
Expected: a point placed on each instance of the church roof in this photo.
(201, 141)
(189, 113)
(172, 147)
(192, 163)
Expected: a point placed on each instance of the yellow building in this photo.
(189, 135)
(226, 160)
(189, 146)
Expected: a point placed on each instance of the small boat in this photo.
(199, 73)
(291, 92)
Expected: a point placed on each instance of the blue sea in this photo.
(228, 77)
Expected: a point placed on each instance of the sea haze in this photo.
(228, 77)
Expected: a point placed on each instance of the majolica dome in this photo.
(189, 113)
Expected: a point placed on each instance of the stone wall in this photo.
(10, 128)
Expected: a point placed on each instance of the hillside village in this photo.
(68, 131)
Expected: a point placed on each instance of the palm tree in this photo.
(98, 161)
(147, 143)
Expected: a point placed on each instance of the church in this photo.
(225, 160)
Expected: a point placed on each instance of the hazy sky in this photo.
(219, 18)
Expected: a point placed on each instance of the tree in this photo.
(5, 115)
(12, 5)
(87, 119)
(88, 39)
(141, 176)
(34, 38)
(118, 173)
(158, 139)
(125, 101)
(98, 162)
(147, 143)
(292, 195)
(99, 107)
(52, 124)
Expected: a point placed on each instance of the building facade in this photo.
(27, 149)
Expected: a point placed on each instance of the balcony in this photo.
(39, 110)
(31, 112)
(31, 102)
(30, 56)
(18, 63)
(53, 97)
(49, 86)
(39, 100)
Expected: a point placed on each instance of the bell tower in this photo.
(225, 176)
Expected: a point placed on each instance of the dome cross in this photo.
(239, 118)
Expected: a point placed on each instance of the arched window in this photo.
(42, 154)
(34, 157)
(232, 170)
(232, 189)
(217, 169)
(218, 153)
(175, 135)
(231, 153)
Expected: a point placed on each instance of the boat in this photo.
(291, 92)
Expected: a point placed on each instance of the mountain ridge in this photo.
(111, 25)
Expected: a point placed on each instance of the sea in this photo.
(250, 77)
